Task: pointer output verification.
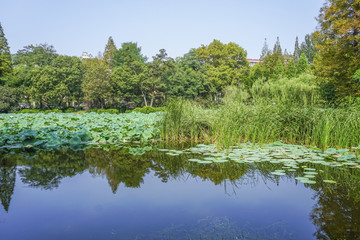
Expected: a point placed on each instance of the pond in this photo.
(160, 194)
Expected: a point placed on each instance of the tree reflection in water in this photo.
(335, 215)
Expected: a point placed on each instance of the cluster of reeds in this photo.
(263, 116)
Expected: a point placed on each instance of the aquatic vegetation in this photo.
(293, 159)
(235, 121)
(54, 130)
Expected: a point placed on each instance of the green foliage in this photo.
(127, 54)
(70, 110)
(97, 85)
(338, 43)
(147, 110)
(297, 51)
(111, 111)
(29, 111)
(308, 48)
(54, 130)
(302, 65)
(225, 64)
(53, 111)
(237, 122)
(299, 91)
(160, 69)
(278, 70)
(108, 55)
(9, 99)
(5, 56)
(290, 70)
(35, 55)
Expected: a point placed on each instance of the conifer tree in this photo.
(5, 56)
(291, 68)
(296, 50)
(279, 69)
(308, 48)
(265, 50)
(109, 51)
(277, 47)
(302, 64)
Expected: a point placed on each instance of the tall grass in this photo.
(264, 117)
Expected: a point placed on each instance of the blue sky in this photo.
(74, 26)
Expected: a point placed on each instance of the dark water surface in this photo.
(97, 194)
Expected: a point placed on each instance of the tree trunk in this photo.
(144, 97)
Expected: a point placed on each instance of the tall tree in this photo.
(290, 70)
(128, 53)
(277, 47)
(97, 85)
(296, 50)
(160, 70)
(39, 55)
(7, 185)
(339, 46)
(5, 56)
(302, 65)
(278, 70)
(265, 50)
(270, 61)
(226, 64)
(308, 48)
(109, 51)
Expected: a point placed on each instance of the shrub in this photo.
(147, 109)
(70, 110)
(53, 110)
(29, 111)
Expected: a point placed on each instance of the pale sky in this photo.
(74, 26)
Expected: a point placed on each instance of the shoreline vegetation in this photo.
(296, 116)
(286, 110)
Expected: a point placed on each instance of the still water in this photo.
(97, 194)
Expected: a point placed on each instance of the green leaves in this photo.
(42, 131)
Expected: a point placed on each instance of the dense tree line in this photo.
(36, 76)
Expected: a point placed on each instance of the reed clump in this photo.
(261, 115)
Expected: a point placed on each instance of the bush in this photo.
(29, 111)
(53, 110)
(147, 109)
(111, 111)
(70, 110)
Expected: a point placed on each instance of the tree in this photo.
(225, 64)
(39, 55)
(338, 41)
(5, 56)
(302, 65)
(127, 83)
(271, 60)
(9, 99)
(7, 185)
(109, 51)
(159, 72)
(97, 86)
(278, 70)
(308, 48)
(290, 68)
(127, 54)
(296, 50)
(265, 50)
(70, 72)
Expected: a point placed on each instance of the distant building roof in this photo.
(253, 61)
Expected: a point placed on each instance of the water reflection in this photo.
(335, 214)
